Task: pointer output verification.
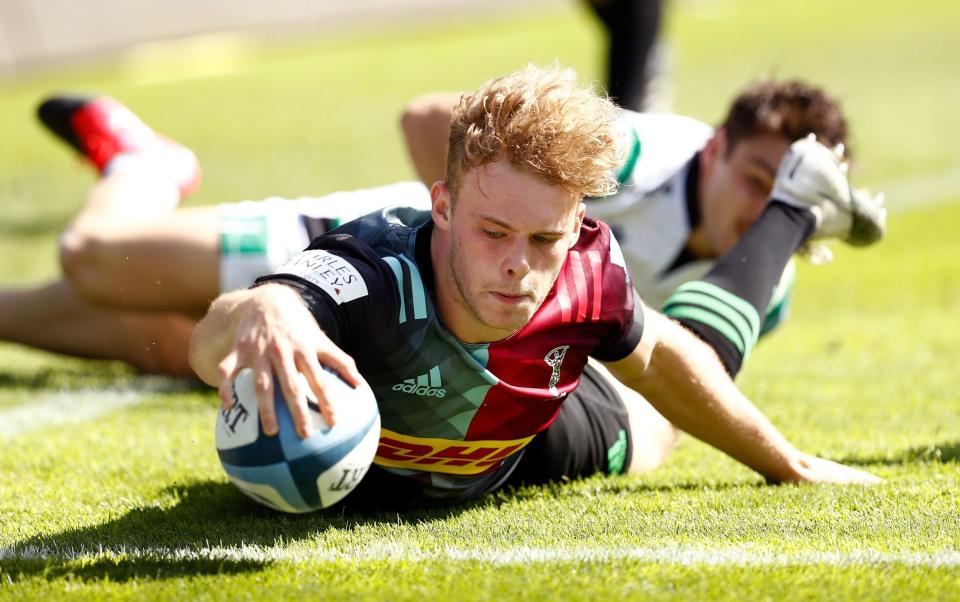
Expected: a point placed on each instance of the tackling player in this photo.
(500, 294)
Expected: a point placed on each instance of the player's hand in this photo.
(811, 469)
(277, 335)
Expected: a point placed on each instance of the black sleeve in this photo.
(349, 290)
(624, 340)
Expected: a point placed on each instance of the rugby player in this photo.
(505, 296)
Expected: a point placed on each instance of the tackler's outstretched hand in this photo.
(814, 177)
(271, 331)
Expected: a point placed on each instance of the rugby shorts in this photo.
(591, 435)
(258, 237)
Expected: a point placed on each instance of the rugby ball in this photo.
(290, 474)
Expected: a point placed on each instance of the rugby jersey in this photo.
(455, 415)
(656, 207)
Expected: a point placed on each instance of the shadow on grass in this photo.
(940, 452)
(616, 486)
(200, 534)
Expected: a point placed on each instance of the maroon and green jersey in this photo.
(456, 416)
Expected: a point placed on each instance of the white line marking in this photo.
(70, 407)
(679, 555)
(925, 190)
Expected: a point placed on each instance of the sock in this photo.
(172, 163)
(726, 307)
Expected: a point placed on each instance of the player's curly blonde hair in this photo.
(541, 121)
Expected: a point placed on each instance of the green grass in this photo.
(133, 504)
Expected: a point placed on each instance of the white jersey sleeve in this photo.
(649, 212)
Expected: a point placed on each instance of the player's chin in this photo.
(510, 316)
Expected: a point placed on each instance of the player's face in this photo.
(734, 188)
(506, 238)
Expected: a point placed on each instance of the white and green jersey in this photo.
(651, 213)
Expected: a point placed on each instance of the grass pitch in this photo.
(109, 482)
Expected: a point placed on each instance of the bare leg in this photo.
(653, 437)
(55, 318)
(129, 247)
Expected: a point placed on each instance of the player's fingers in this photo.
(290, 383)
(226, 372)
(857, 476)
(313, 372)
(263, 387)
(341, 363)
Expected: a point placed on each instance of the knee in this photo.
(654, 449)
(80, 260)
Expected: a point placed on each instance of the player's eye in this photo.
(759, 185)
(544, 240)
(492, 234)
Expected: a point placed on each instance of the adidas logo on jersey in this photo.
(425, 385)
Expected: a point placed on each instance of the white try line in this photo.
(924, 190)
(677, 555)
(69, 407)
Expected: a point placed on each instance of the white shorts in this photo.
(257, 237)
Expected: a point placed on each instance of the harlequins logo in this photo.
(425, 385)
(554, 358)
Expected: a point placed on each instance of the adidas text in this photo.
(421, 390)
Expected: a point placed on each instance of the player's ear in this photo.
(440, 205)
(578, 221)
(715, 148)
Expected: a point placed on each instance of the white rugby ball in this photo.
(285, 472)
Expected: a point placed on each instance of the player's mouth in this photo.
(511, 298)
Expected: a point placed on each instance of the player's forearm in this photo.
(426, 126)
(686, 383)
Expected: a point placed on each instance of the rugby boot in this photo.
(101, 129)
(815, 177)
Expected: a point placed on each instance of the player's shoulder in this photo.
(353, 262)
(659, 145)
(666, 126)
(384, 228)
(597, 238)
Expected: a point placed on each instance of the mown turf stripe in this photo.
(56, 408)
(687, 556)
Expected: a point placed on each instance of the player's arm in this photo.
(426, 127)
(271, 330)
(682, 377)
